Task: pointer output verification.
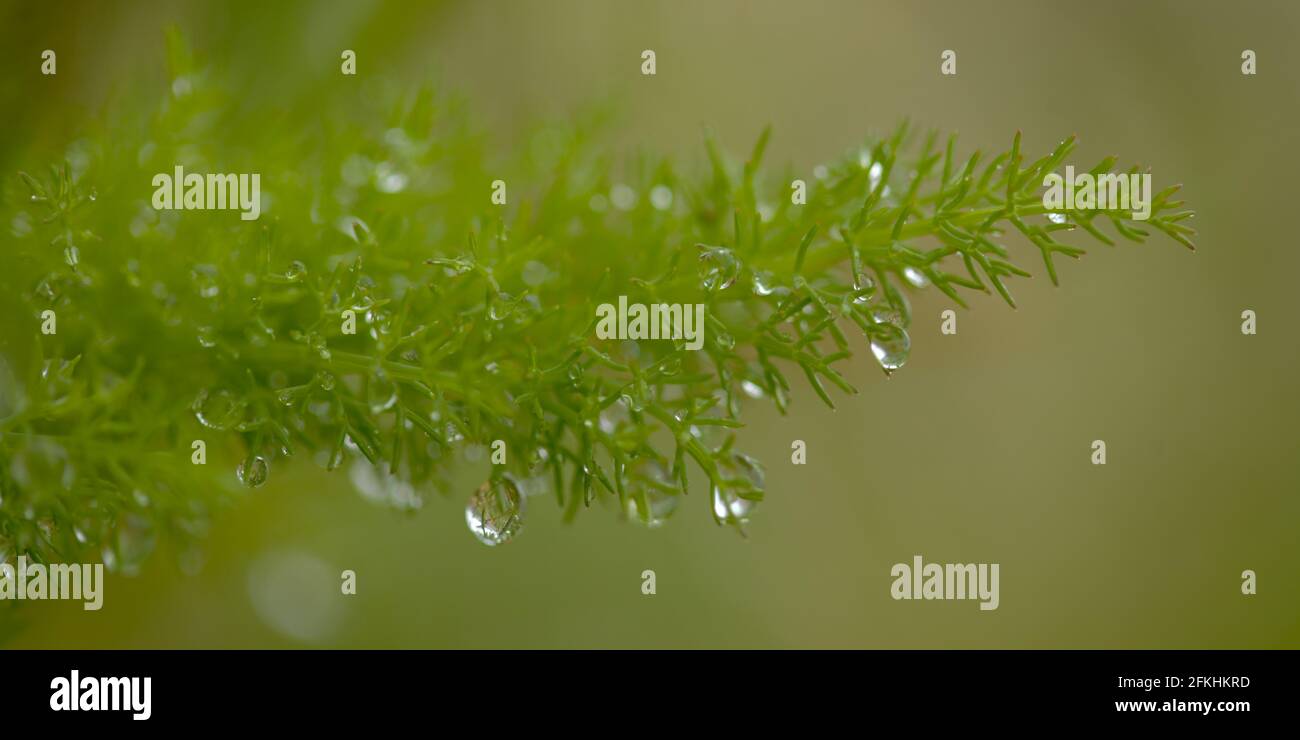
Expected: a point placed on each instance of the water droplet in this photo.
(94, 195)
(656, 498)
(71, 255)
(891, 345)
(494, 513)
(296, 271)
(748, 468)
(661, 197)
(730, 508)
(325, 380)
(751, 389)
(719, 268)
(763, 284)
(915, 277)
(218, 410)
(379, 321)
(863, 285)
(253, 471)
(1056, 218)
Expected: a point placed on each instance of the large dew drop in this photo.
(719, 268)
(656, 498)
(891, 345)
(495, 512)
(745, 476)
(729, 507)
(218, 410)
(253, 471)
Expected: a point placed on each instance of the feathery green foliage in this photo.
(475, 321)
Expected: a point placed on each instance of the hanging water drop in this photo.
(745, 477)
(657, 497)
(719, 268)
(494, 513)
(748, 468)
(863, 285)
(296, 271)
(253, 471)
(891, 345)
(764, 284)
(380, 322)
(915, 277)
(730, 508)
(218, 410)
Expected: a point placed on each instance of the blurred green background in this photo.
(977, 451)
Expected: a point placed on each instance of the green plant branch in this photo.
(475, 322)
